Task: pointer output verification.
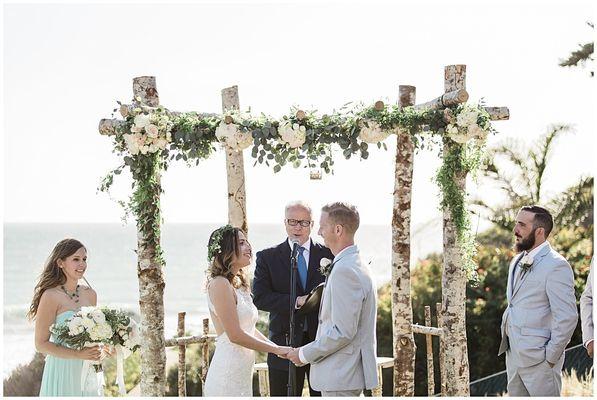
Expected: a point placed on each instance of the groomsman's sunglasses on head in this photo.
(302, 222)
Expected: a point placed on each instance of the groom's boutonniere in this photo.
(526, 263)
(325, 266)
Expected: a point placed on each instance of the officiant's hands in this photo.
(293, 356)
(300, 301)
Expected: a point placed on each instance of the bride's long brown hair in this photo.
(52, 275)
(221, 264)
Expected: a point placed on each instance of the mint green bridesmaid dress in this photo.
(62, 377)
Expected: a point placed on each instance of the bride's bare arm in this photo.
(261, 336)
(222, 297)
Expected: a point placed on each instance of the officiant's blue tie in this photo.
(302, 267)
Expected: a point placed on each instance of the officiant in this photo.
(271, 292)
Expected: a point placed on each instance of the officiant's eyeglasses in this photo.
(294, 222)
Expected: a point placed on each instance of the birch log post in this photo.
(456, 365)
(182, 367)
(149, 271)
(429, 351)
(402, 315)
(237, 201)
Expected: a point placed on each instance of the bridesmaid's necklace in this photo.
(74, 295)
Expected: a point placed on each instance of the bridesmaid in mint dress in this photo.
(56, 298)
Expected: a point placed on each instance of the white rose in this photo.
(452, 129)
(526, 260)
(132, 144)
(75, 326)
(152, 131)
(144, 149)
(141, 120)
(466, 117)
(98, 316)
(477, 132)
(371, 132)
(325, 262)
(233, 137)
(88, 323)
(293, 134)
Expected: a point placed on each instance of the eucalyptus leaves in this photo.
(151, 136)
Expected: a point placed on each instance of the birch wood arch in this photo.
(145, 204)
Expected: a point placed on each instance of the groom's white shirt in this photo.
(343, 355)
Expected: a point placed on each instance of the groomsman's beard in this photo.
(526, 243)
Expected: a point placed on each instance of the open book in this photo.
(313, 300)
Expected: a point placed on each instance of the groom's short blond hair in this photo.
(344, 214)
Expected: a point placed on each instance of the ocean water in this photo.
(112, 269)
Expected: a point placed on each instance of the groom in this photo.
(541, 314)
(343, 356)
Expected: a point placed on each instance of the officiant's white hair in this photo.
(298, 203)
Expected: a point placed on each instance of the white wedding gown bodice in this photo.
(230, 372)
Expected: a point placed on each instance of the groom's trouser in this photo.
(536, 380)
(278, 379)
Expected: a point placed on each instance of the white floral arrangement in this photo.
(150, 133)
(371, 132)
(293, 134)
(471, 122)
(100, 325)
(233, 137)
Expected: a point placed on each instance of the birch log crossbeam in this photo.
(498, 113)
(108, 127)
(445, 100)
(185, 340)
(427, 330)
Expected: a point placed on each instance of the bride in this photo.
(234, 316)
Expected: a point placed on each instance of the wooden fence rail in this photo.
(181, 341)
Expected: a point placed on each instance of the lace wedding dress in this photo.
(230, 372)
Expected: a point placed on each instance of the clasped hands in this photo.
(289, 353)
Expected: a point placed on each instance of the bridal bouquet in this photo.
(100, 325)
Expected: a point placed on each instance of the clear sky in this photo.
(65, 66)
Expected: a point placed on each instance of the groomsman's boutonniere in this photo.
(526, 263)
(325, 266)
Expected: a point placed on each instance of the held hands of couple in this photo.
(290, 354)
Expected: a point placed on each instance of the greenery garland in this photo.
(150, 137)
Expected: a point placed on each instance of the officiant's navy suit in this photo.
(271, 293)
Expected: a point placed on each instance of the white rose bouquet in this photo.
(150, 132)
(471, 122)
(294, 135)
(371, 132)
(99, 325)
(232, 136)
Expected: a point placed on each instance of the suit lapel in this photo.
(538, 258)
(284, 256)
(314, 258)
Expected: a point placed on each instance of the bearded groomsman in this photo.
(541, 314)
(586, 314)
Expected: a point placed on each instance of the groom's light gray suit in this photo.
(343, 355)
(538, 324)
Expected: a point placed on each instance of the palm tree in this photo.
(582, 56)
(519, 173)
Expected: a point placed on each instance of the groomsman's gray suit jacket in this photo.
(586, 309)
(343, 355)
(541, 313)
